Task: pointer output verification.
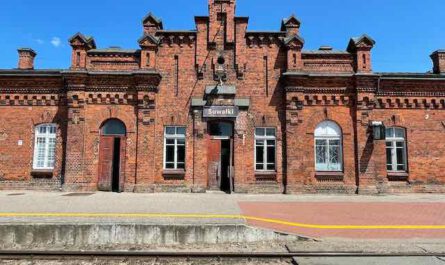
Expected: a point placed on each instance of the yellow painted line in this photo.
(225, 216)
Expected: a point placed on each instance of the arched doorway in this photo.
(220, 156)
(112, 156)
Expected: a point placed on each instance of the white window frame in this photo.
(265, 138)
(393, 140)
(174, 137)
(49, 135)
(328, 139)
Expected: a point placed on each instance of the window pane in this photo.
(181, 154)
(399, 144)
(51, 153)
(270, 166)
(401, 167)
(400, 154)
(320, 154)
(53, 130)
(221, 129)
(170, 130)
(271, 142)
(169, 165)
(42, 129)
(259, 167)
(271, 154)
(170, 153)
(113, 127)
(321, 142)
(260, 154)
(400, 133)
(40, 146)
(389, 132)
(170, 141)
(388, 144)
(334, 154)
(181, 165)
(389, 158)
(334, 142)
(270, 131)
(181, 141)
(180, 130)
(260, 131)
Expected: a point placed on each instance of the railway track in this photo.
(180, 254)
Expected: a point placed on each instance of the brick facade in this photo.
(268, 76)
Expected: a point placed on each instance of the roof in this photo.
(113, 50)
(155, 19)
(150, 37)
(27, 50)
(325, 52)
(266, 32)
(39, 72)
(357, 40)
(177, 31)
(290, 19)
(85, 38)
(292, 38)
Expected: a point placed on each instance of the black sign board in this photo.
(221, 112)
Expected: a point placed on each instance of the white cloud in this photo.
(40, 41)
(56, 42)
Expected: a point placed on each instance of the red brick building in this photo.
(222, 108)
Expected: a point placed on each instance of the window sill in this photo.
(329, 176)
(269, 172)
(398, 176)
(173, 174)
(266, 176)
(42, 173)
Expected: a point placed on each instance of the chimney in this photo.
(438, 58)
(26, 58)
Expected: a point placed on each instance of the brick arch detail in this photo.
(126, 118)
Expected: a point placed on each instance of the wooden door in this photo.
(122, 163)
(106, 150)
(214, 163)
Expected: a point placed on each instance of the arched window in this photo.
(396, 160)
(328, 147)
(45, 146)
(114, 127)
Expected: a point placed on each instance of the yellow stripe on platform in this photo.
(223, 216)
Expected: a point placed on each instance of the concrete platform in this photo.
(312, 216)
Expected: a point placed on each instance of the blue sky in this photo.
(406, 31)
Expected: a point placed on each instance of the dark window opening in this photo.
(78, 58)
(221, 129)
(116, 165)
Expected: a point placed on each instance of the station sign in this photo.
(221, 112)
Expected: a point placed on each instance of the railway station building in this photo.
(222, 108)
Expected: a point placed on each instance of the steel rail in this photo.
(206, 254)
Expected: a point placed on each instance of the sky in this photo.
(406, 31)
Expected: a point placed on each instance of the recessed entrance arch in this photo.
(220, 155)
(112, 148)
